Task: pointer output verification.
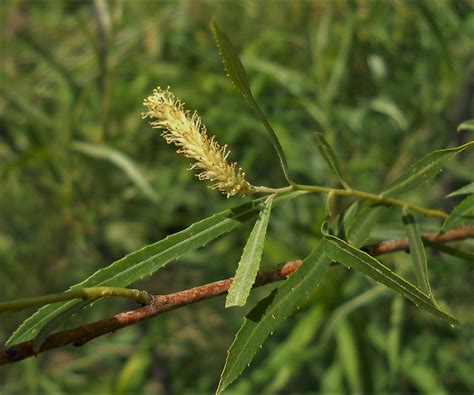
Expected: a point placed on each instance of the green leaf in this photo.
(423, 170)
(341, 224)
(393, 338)
(465, 190)
(386, 106)
(270, 312)
(417, 252)
(238, 76)
(466, 125)
(457, 252)
(342, 312)
(250, 260)
(461, 214)
(120, 160)
(348, 356)
(149, 259)
(364, 222)
(57, 320)
(328, 154)
(351, 257)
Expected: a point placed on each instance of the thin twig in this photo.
(162, 303)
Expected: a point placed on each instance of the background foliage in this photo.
(83, 181)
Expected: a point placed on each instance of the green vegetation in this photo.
(84, 182)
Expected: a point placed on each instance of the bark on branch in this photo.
(162, 303)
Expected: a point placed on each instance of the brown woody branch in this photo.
(162, 303)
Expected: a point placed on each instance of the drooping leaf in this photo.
(328, 154)
(238, 76)
(466, 125)
(423, 170)
(149, 259)
(465, 190)
(463, 213)
(120, 160)
(250, 261)
(417, 252)
(351, 257)
(364, 222)
(270, 312)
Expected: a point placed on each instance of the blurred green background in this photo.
(83, 181)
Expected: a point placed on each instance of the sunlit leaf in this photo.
(250, 261)
(270, 312)
(238, 76)
(351, 257)
(149, 259)
(423, 170)
(466, 126)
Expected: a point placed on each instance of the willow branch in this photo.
(163, 303)
(91, 293)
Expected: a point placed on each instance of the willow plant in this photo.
(343, 234)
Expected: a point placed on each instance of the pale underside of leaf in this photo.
(250, 261)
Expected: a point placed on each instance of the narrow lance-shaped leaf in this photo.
(238, 76)
(466, 125)
(423, 170)
(349, 256)
(457, 252)
(463, 213)
(465, 190)
(53, 323)
(417, 252)
(250, 261)
(270, 312)
(359, 230)
(328, 154)
(149, 259)
(341, 224)
(120, 160)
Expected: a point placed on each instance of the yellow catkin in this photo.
(186, 130)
